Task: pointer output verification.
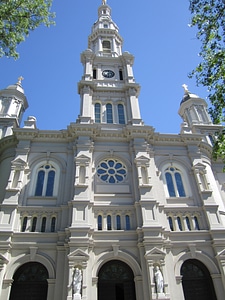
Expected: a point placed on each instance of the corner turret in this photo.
(13, 103)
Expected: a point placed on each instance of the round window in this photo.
(111, 171)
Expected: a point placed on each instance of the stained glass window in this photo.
(111, 171)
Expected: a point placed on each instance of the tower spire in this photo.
(104, 2)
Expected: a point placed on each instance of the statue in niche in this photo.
(77, 280)
(159, 282)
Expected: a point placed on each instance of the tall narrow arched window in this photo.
(34, 224)
(188, 223)
(94, 73)
(197, 227)
(118, 222)
(179, 223)
(53, 221)
(43, 224)
(24, 224)
(121, 74)
(121, 115)
(109, 222)
(170, 220)
(97, 113)
(109, 113)
(45, 181)
(106, 45)
(174, 182)
(127, 220)
(99, 222)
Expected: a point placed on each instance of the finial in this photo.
(103, 2)
(185, 88)
(20, 80)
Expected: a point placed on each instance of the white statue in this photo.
(159, 283)
(77, 280)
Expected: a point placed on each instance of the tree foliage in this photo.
(209, 18)
(18, 18)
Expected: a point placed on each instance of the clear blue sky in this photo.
(156, 32)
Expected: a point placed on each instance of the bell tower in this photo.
(108, 91)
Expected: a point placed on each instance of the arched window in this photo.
(170, 220)
(53, 221)
(197, 227)
(99, 222)
(24, 224)
(34, 224)
(174, 182)
(43, 224)
(179, 223)
(118, 222)
(196, 281)
(97, 113)
(117, 279)
(127, 220)
(109, 113)
(109, 222)
(121, 115)
(30, 282)
(94, 73)
(106, 45)
(121, 74)
(188, 223)
(45, 181)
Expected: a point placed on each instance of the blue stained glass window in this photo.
(174, 182)
(111, 171)
(40, 183)
(118, 222)
(127, 219)
(45, 181)
(170, 185)
(109, 222)
(97, 113)
(180, 186)
(109, 114)
(121, 114)
(50, 183)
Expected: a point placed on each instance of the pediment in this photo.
(199, 166)
(19, 162)
(142, 159)
(155, 252)
(79, 255)
(82, 158)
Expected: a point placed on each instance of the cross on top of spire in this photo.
(103, 2)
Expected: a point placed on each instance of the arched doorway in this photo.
(30, 282)
(196, 281)
(116, 281)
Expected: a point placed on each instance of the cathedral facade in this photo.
(108, 208)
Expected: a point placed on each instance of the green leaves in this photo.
(209, 18)
(18, 18)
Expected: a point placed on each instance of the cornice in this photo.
(36, 134)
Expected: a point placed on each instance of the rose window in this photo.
(111, 171)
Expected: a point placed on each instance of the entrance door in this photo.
(30, 282)
(196, 281)
(116, 282)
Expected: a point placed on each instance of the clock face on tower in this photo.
(108, 73)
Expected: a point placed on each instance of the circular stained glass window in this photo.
(111, 171)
